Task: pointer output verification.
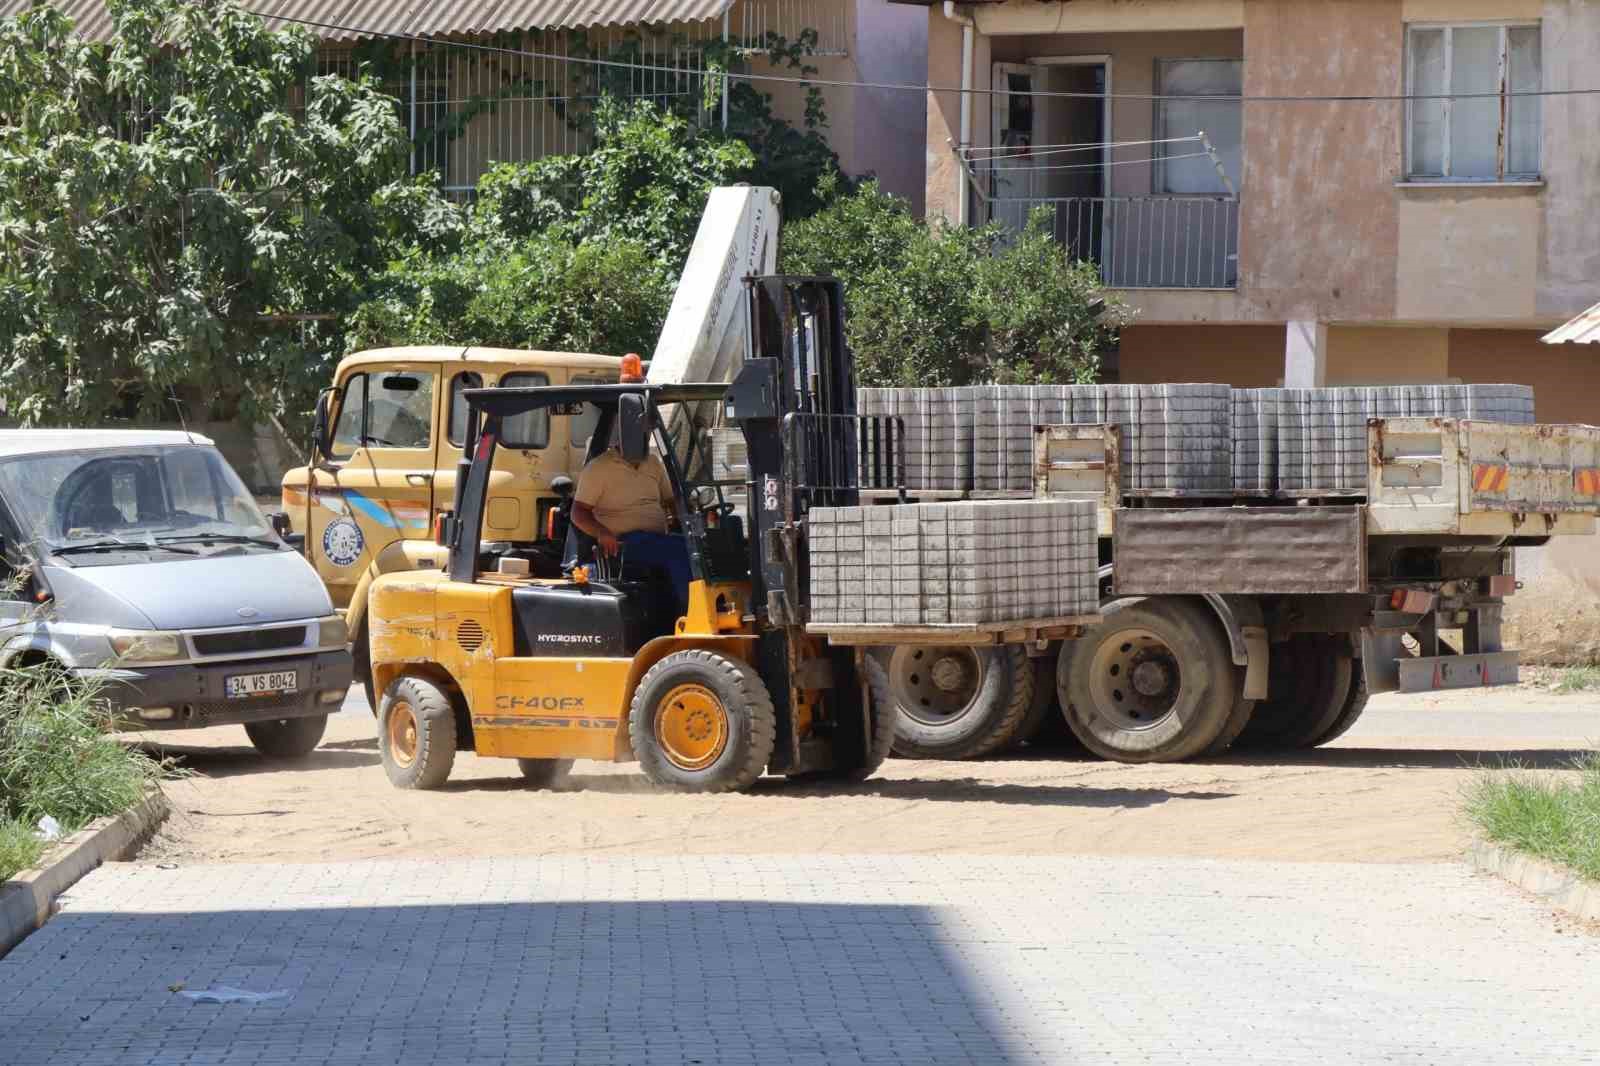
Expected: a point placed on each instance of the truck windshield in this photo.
(172, 500)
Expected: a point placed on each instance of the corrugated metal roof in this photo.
(364, 18)
(1585, 329)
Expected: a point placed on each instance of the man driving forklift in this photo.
(627, 507)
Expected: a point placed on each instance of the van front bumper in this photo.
(197, 694)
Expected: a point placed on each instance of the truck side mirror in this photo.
(319, 429)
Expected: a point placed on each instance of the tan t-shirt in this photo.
(626, 499)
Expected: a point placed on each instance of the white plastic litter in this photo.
(224, 994)
(49, 828)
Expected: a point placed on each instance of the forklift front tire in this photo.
(702, 722)
(416, 733)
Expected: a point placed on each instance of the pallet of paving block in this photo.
(1019, 631)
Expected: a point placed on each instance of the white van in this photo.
(140, 560)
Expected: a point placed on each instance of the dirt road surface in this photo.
(1387, 792)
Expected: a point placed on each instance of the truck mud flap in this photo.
(1458, 671)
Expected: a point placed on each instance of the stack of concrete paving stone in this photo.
(1175, 438)
(1182, 441)
(1322, 433)
(1255, 440)
(966, 563)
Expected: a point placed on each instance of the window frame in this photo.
(544, 382)
(1503, 176)
(1158, 157)
(456, 436)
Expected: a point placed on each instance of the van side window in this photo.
(456, 424)
(385, 409)
(530, 429)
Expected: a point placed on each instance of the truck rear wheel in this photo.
(1308, 683)
(287, 738)
(956, 702)
(1354, 704)
(702, 722)
(417, 733)
(1153, 682)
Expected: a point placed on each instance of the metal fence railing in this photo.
(1144, 242)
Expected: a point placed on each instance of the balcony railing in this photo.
(1143, 242)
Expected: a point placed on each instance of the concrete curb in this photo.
(1554, 884)
(29, 899)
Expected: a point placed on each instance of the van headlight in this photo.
(332, 632)
(145, 645)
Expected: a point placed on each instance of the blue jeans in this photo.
(667, 551)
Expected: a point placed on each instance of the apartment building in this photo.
(1275, 239)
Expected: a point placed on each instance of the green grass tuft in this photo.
(58, 758)
(19, 848)
(1579, 679)
(1550, 816)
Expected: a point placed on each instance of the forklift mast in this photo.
(795, 399)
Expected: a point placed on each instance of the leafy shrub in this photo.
(542, 292)
(646, 180)
(943, 305)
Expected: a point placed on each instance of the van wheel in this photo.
(957, 702)
(417, 733)
(287, 738)
(544, 773)
(1153, 682)
(702, 722)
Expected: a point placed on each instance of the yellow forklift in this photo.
(487, 655)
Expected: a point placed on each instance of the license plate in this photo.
(272, 683)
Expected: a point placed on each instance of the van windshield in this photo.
(172, 500)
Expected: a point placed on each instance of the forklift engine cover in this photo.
(578, 621)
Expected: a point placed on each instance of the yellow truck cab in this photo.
(389, 439)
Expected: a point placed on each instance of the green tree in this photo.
(934, 304)
(182, 205)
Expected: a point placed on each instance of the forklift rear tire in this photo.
(544, 773)
(287, 738)
(417, 733)
(957, 702)
(702, 722)
(1153, 682)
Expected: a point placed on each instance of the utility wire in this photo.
(1012, 151)
(990, 169)
(905, 87)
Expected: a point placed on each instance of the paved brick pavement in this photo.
(790, 962)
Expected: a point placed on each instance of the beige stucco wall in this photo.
(1569, 266)
(1376, 355)
(1244, 356)
(1319, 217)
(1109, 16)
(1468, 251)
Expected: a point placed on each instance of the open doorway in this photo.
(1051, 150)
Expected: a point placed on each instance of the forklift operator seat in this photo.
(633, 433)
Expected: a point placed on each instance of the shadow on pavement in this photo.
(589, 981)
(1409, 758)
(232, 762)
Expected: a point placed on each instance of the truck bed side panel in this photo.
(1235, 550)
